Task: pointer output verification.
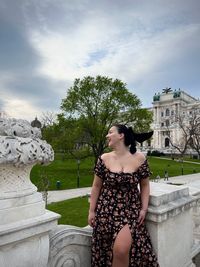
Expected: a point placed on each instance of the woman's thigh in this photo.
(123, 241)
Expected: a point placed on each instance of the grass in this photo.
(73, 211)
(173, 167)
(65, 171)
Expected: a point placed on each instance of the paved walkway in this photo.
(59, 195)
(177, 160)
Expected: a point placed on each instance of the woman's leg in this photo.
(122, 247)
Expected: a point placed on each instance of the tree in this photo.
(66, 137)
(98, 103)
(194, 122)
(48, 118)
(182, 143)
(189, 126)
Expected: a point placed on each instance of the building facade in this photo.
(167, 107)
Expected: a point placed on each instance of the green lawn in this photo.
(74, 211)
(174, 168)
(65, 171)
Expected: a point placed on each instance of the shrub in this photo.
(156, 153)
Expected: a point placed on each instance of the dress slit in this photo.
(116, 234)
(118, 231)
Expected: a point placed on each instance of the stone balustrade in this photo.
(70, 246)
(170, 221)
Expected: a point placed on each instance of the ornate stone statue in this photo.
(20, 146)
(24, 222)
(167, 90)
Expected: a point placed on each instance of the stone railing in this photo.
(70, 246)
(172, 220)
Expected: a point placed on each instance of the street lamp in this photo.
(78, 172)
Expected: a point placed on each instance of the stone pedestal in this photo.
(170, 224)
(194, 188)
(24, 222)
(26, 243)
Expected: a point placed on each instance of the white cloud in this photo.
(133, 58)
(63, 56)
(12, 105)
(20, 109)
(146, 44)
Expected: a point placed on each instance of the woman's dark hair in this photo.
(130, 137)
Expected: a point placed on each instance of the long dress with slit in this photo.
(119, 204)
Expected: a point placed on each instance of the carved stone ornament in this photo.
(20, 144)
(20, 149)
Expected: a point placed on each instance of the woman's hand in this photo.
(142, 216)
(91, 217)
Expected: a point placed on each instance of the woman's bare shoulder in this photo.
(106, 156)
(140, 156)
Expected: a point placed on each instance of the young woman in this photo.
(117, 207)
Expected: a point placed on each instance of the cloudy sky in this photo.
(46, 44)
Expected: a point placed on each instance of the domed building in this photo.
(36, 123)
(167, 106)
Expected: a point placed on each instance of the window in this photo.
(166, 142)
(172, 112)
(162, 124)
(162, 114)
(167, 112)
(167, 122)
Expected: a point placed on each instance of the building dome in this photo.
(36, 123)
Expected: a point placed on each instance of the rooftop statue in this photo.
(156, 97)
(167, 90)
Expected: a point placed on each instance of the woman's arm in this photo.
(144, 191)
(96, 188)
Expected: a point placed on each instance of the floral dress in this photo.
(119, 204)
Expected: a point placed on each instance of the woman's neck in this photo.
(121, 150)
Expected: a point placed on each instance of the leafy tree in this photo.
(99, 102)
(66, 137)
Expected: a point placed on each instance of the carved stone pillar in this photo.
(24, 222)
(170, 224)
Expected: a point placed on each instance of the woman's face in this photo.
(113, 137)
